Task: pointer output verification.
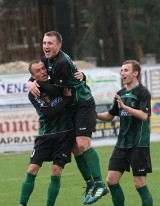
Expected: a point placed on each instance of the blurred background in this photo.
(97, 34)
(104, 32)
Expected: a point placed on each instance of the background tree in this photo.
(108, 32)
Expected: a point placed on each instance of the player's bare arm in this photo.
(105, 116)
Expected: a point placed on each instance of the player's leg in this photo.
(39, 153)
(142, 189)
(84, 170)
(84, 119)
(112, 179)
(117, 165)
(91, 158)
(141, 165)
(61, 155)
(54, 185)
(28, 184)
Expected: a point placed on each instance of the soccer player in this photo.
(55, 136)
(61, 70)
(132, 104)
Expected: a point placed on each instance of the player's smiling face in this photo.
(51, 46)
(127, 74)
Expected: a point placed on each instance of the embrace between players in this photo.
(67, 118)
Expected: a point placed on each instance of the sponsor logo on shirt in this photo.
(64, 155)
(55, 101)
(127, 94)
(83, 128)
(141, 170)
(124, 113)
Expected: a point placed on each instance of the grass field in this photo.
(13, 168)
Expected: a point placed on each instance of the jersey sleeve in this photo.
(51, 109)
(145, 101)
(114, 109)
(52, 89)
(66, 72)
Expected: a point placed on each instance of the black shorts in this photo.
(84, 118)
(56, 148)
(137, 158)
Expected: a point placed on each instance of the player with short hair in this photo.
(132, 105)
(55, 135)
(61, 70)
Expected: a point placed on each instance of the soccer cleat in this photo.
(97, 193)
(88, 194)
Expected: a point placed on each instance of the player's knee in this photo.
(108, 181)
(56, 170)
(33, 169)
(76, 151)
(111, 181)
(82, 148)
(139, 181)
(83, 143)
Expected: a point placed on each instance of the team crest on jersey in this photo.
(133, 103)
(55, 101)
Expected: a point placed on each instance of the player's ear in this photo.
(135, 73)
(33, 76)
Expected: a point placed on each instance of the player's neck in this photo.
(132, 84)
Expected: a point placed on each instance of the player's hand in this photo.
(33, 87)
(79, 75)
(121, 105)
(67, 92)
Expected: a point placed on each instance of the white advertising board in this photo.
(19, 120)
(103, 83)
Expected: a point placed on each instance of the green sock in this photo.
(53, 190)
(117, 195)
(146, 196)
(84, 170)
(92, 160)
(27, 188)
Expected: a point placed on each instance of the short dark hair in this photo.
(35, 61)
(56, 34)
(135, 65)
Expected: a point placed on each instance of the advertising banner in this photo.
(18, 126)
(19, 120)
(103, 83)
(155, 116)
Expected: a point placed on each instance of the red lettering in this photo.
(19, 126)
(4, 127)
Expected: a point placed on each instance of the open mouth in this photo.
(124, 78)
(47, 51)
(44, 76)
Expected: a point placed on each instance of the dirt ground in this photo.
(21, 66)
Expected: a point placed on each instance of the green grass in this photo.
(14, 167)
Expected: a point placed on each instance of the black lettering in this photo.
(2, 141)
(16, 139)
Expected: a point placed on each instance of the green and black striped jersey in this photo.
(53, 113)
(61, 70)
(133, 131)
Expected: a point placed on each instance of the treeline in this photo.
(115, 30)
(105, 31)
